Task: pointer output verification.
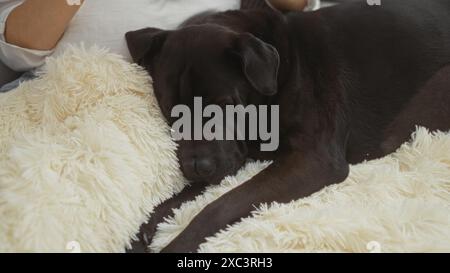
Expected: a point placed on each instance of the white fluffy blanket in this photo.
(85, 155)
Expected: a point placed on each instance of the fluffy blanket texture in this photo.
(85, 156)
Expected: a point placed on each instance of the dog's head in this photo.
(218, 65)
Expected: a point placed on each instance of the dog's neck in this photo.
(308, 62)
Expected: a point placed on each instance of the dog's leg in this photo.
(291, 177)
(147, 230)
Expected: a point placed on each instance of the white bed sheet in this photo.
(105, 22)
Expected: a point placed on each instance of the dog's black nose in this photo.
(204, 167)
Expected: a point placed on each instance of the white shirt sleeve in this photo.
(15, 57)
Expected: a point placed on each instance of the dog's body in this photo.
(353, 82)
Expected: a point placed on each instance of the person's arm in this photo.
(39, 24)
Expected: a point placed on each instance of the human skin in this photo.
(39, 24)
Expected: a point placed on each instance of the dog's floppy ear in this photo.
(260, 62)
(145, 44)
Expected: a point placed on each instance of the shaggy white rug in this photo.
(85, 155)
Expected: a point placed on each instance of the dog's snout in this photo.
(198, 169)
(204, 167)
(209, 162)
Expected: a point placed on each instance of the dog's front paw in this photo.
(209, 221)
(145, 236)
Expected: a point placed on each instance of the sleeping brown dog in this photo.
(351, 81)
